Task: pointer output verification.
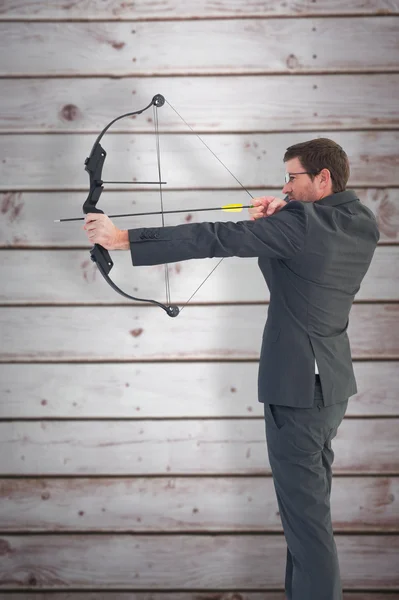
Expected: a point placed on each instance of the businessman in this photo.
(313, 252)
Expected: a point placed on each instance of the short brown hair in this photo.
(319, 154)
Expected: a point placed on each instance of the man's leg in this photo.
(300, 454)
(289, 573)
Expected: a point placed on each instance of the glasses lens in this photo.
(287, 178)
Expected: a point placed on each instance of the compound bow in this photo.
(94, 166)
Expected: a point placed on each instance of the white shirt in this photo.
(315, 366)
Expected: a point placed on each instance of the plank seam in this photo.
(35, 591)
(101, 304)
(45, 132)
(212, 74)
(208, 132)
(186, 533)
(10, 189)
(22, 478)
(241, 17)
(77, 248)
(188, 73)
(375, 417)
(106, 361)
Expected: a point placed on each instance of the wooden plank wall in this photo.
(133, 461)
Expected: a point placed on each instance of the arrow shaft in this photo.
(144, 214)
(138, 182)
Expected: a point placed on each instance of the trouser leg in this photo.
(328, 459)
(300, 455)
(289, 570)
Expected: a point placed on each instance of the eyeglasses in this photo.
(288, 176)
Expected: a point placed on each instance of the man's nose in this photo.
(286, 189)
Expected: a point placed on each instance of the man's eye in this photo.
(292, 178)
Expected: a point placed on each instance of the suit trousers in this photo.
(301, 458)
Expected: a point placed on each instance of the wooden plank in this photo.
(384, 205)
(93, 10)
(181, 562)
(180, 447)
(250, 46)
(55, 162)
(127, 333)
(205, 504)
(193, 390)
(22, 213)
(216, 390)
(212, 104)
(30, 277)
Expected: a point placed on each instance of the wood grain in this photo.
(173, 504)
(26, 218)
(30, 277)
(250, 46)
(179, 390)
(208, 104)
(179, 447)
(181, 562)
(160, 489)
(55, 162)
(127, 333)
(188, 9)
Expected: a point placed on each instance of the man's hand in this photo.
(265, 206)
(101, 230)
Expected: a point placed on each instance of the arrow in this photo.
(226, 208)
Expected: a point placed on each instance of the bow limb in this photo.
(104, 263)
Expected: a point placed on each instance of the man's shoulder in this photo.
(342, 213)
(294, 205)
(292, 213)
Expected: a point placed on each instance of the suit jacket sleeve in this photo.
(281, 235)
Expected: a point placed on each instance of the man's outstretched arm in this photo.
(280, 236)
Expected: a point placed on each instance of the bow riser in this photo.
(93, 197)
(94, 166)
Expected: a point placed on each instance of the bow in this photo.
(94, 166)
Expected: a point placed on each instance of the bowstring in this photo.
(158, 147)
(228, 170)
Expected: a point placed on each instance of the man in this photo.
(313, 251)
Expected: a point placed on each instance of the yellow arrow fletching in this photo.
(232, 207)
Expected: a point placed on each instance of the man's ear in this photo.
(325, 178)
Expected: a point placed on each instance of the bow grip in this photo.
(101, 257)
(93, 197)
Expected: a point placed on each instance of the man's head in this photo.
(315, 169)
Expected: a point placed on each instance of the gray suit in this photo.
(313, 256)
(311, 295)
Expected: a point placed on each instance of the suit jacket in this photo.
(313, 256)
